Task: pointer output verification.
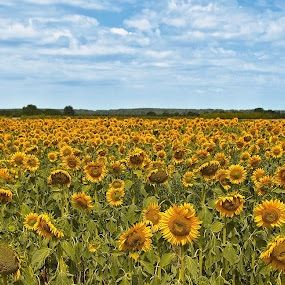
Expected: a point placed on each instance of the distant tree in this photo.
(68, 111)
(258, 110)
(151, 113)
(30, 110)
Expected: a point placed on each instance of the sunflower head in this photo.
(71, 162)
(223, 177)
(137, 158)
(59, 178)
(18, 158)
(31, 162)
(151, 215)
(114, 196)
(95, 171)
(9, 262)
(30, 221)
(269, 213)
(279, 176)
(275, 253)
(82, 201)
(157, 176)
(138, 237)
(188, 179)
(45, 228)
(230, 205)
(5, 196)
(209, 169)
(52, 156)
(179, 224)
(237, 174)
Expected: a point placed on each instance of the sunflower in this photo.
(52, 156)
(5, 175)
(81, 201)
(263, 184)
(257, 175)
(277, 151)
(45, 228)
(59, 178)
(209, 169)
(117, 184)
(279, 176)
(9, 262)
(137, 158)
(30, 221)
(157, 176)
(230, 205)
(179, 224)
(95, 171)
(237, 174)
(178, 155)
(65, 150)
(269, 213)
(151, 216)
(223, 177)
(114, 196)
(138, 237)
(18, 158)
(31, 162)
(5, 196)
(275, 253)
(188, 179)
(71, 162)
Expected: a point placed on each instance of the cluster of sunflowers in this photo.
(178, 200)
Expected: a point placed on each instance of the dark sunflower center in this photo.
(236, 174)
(180, 227)
(279, 253)
(134, 240)
(116, 196)
(231, 205)
(81, 202)
(59, 178)
(153, 216)
(282, 175)
(270, 217)
(72, 163)
(137, 159)
(179, 154)
(117, 184)
(95, 171)
(209, 170)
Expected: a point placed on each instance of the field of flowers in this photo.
(141, 201)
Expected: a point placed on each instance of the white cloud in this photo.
(119, 31)
(140, 24)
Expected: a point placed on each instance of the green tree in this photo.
(30, 110)
(68, 111)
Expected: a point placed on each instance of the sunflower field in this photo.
(142, 201)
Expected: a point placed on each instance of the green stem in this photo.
(5, 280)
(225, 231)
(182, 265)
(201, 261)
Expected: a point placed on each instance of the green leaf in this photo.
(205, 215)
(148, 267)
(128, 184)
(69, 249)
(216, 227)
(229, 253)
(192, 267)
(166, 259)
(39, 257)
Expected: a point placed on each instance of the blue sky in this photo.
(103, 54)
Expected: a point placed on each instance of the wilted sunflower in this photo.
(237, 174)
(81, 201)
(71, 162)
(230, 205)
(114, 196)
(263, 185)
(157, 176)
(275, 253)
(178, 155)
(31, 162)
(188, 179)
(279, 176)
(45, 228)
(179, 224)
(138, 237)
(5, 196)
(59, 178)
(9, 262)
(95, 171)
(151, 215)
(209, 169)
(269, 213)
(30, 221)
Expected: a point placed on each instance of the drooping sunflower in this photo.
(269, 213)
(209, 169)
(59, 178)
(45, 228)
(137, 158)
(95, 171)
(71, 162)
(6, 196)
(279, 176)
(223, 177)
(157, 176)
(114, 196)
(230, 205)
(237, 174)
(179, 224)
(275, 253)
(151, 216)
(138, 237)
(31, 163)
(30, 221)
(188, 179)
(9, 261)
(82, 201)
